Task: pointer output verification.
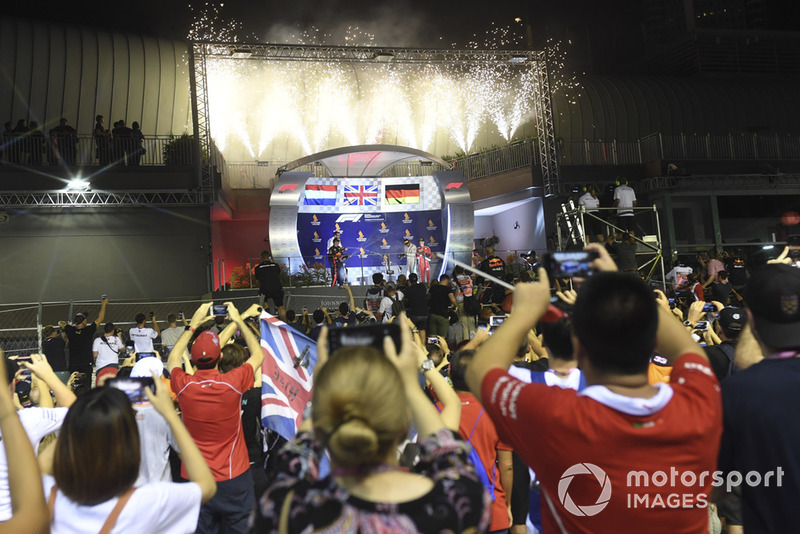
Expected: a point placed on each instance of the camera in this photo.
(117, 331)
(133, 387)
(364, 335)
(433, 340)
(702, 325)
(140, 355)
(496, 320)
(218, 310)
(570, 264)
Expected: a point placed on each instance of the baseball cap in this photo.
(112, 371)
(406, 241)
(732, 319)
(79, 318)
(773, 297)
(205, 348)
(146, 367)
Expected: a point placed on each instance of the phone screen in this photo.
(364, 335)
(218, 310)
(570, 264)
(496, 320)
(132, 387)
(433, 340)
(140, 355)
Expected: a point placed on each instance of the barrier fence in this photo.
(85, 150)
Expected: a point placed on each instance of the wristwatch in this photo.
(427, 365)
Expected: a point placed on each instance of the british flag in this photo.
(361, 195)
(286, 375)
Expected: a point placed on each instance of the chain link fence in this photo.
(21, 324)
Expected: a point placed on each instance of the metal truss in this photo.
(545, 128)
(243, 51)
(728, 182)
(200, 116)
(103, 198)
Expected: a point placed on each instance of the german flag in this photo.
(402, 194)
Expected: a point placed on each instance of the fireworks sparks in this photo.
(280, 110)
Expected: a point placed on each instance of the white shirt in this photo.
(143, 338)
(163, 507)
(108, 349)
(170, 336)
(386, 306)
(37, 422)
(155, 440)
(591, 203)
(626, 197)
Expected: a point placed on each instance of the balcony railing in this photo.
(84, 150)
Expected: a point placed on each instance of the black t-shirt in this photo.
(721, 292)
(268, 274)
(737, 272)
(494, 266)
(80, 343)
(721, 358)
(760, 434)
(54, 349)
(416, 300)
(251, 424)
(440, 300)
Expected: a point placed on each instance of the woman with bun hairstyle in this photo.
(364, 401)
(95, 464)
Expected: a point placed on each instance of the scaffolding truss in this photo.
(545, 128)
(102, 198)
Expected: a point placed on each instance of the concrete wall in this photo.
(529, 236)
(128, 253)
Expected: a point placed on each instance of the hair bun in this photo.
(354, 442)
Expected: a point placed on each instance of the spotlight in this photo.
(518, 58)
(241, 53)
(78, 185)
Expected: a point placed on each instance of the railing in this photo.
(587, 152)
(516, 155)
(84, 150)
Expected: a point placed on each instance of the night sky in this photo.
(610, 26)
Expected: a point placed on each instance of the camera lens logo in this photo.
(584, 469)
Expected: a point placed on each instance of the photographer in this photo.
(80, 335)
(108, 348)
(54, 347)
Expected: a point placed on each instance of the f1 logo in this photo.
(349, 217)
(454, 185)
(287, 187)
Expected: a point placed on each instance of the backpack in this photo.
(475, 459)
(372, 302)
(397, 306)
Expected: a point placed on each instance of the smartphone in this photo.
(140, 355)
(702, 325)
(104, 297)
(709, 308)
(218, 310)
(305, 309)
(569, 264)
(433, 340)
(496, 320)
(793, 242)
(671, 302)
(133, 387)
(130, 349)
(364, 335)
(180, 315)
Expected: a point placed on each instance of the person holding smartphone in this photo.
(108, 348)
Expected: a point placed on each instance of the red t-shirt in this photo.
(486, 442)
(565, 436)
(211, 404)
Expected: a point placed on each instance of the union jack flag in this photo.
(290, 358)
(361, 195)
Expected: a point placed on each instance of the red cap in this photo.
(106, 371)
(206, 348)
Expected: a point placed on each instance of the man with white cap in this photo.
(211, 402)
(156, 436)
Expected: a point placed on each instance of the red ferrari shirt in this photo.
(610, 463)
(486, 443)
(211, 404)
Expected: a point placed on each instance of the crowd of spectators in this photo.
(26, 143)
(499, 411)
